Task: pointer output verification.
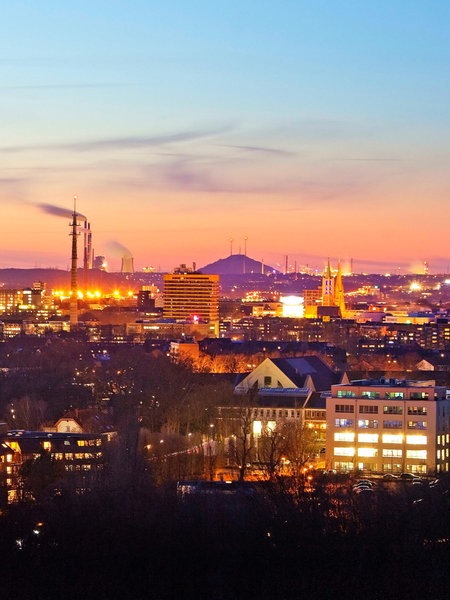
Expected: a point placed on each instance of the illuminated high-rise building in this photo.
(192, 296)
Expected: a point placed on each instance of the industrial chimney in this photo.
(127, 264)
(73, 271)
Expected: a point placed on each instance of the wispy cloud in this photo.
(187, 176)
(60, 86)
(125, 143)
(260, 149)
(14, 189)
(366, 159)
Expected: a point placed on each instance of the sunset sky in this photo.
(313, 128)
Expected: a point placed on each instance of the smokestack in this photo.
(88, 252)
(73, 271)
(90, 249)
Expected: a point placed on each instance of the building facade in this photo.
(79, 455)
(190, 295)
(281, 402)
(388, 426)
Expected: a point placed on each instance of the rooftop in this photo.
(391, 382)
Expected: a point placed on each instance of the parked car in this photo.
(364, 482)
(409, 477)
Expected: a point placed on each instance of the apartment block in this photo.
(388, 426)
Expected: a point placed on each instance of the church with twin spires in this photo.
(328, 300)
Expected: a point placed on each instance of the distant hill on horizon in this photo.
(237, 264)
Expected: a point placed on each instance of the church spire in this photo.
(339, 298)
(328, 287)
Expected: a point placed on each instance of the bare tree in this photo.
(236, 425)
(302, 445)
(272, 445)
(26, 413)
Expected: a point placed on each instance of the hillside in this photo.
(237, 264)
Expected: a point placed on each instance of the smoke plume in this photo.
(118, 249)
(57, 211)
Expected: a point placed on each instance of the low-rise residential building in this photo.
(388, 426)
(285, 398)
(74, 453)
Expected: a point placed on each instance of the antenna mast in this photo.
(73, 270)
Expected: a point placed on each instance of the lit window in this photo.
(370, 394)
(388, 438)
(344, 451)
(417, 410)
(393, 395)
(419, 454)
(344, 437)
(417, 440)
(343, 466)
(419, 396)
(343, 422)
(368, 452)
(257, 427)
(392, 452)
(417, 424)
(368, 424)
(392, 410)
(368, 438)
(346, 394)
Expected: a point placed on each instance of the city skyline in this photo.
(306, 129)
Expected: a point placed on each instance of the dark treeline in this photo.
(42, 378)
(128, 535)
(132, 540)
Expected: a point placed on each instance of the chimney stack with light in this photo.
(73, 271)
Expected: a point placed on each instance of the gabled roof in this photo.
(299, 369)
(286, 375)
(435, 361)
(89, 419)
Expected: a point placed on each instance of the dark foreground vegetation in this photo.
(129, 536)
(133, 541)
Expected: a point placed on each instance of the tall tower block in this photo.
(190, 295)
